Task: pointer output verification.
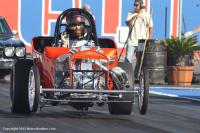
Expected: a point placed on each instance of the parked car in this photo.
(10, 48)
(80, 74)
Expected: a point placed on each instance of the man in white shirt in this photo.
(140, 25)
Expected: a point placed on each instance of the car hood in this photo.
(7, 41)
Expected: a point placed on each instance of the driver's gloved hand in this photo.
(73, 50)
(65, 39)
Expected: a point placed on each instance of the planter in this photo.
(180, 75)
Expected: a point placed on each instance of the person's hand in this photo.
(65, 39)
(135, 15)
(131, 17)
(196, 30)
(188, 34)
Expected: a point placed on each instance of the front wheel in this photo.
(33, 89)
(19, 85)
(143, 93)
(124, 108)
(24, 87)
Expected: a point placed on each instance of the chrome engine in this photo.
(119, 77)
(84, 76)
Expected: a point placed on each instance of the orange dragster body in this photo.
(80, 73)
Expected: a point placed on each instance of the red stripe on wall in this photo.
(111, 17)
(175, 18)
(77, 4)
(146, 5)
(9, 10)
(48, 16)
(28, 49)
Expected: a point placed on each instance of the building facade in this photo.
(37, 17)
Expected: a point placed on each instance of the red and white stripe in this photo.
(147, 5)
(174, 20)
(48, 16)
(76, 3)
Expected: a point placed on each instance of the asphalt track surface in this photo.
(165, 115)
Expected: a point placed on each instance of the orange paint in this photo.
(77, 4)
(9, 11)
(175, 16)
(146, 5)
(54, 52)
(111, 20)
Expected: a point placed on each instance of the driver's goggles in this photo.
(74, 26)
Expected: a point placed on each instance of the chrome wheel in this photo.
(141, 90)
(143, 95)
(31, 89)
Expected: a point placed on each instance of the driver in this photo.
(76, 33)
(76, 27)
(74, 37)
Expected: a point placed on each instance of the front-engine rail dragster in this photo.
(78, 73)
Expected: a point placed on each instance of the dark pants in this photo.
(137, 66)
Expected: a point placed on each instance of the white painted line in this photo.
(169, 95)
(174, 87)
(163, 94)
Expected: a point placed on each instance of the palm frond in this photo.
(181, 46)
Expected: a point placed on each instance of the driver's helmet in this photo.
(76, 26)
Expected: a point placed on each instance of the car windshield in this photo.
(4, 29)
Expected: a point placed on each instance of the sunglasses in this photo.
(136, 5)
(73, 26)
